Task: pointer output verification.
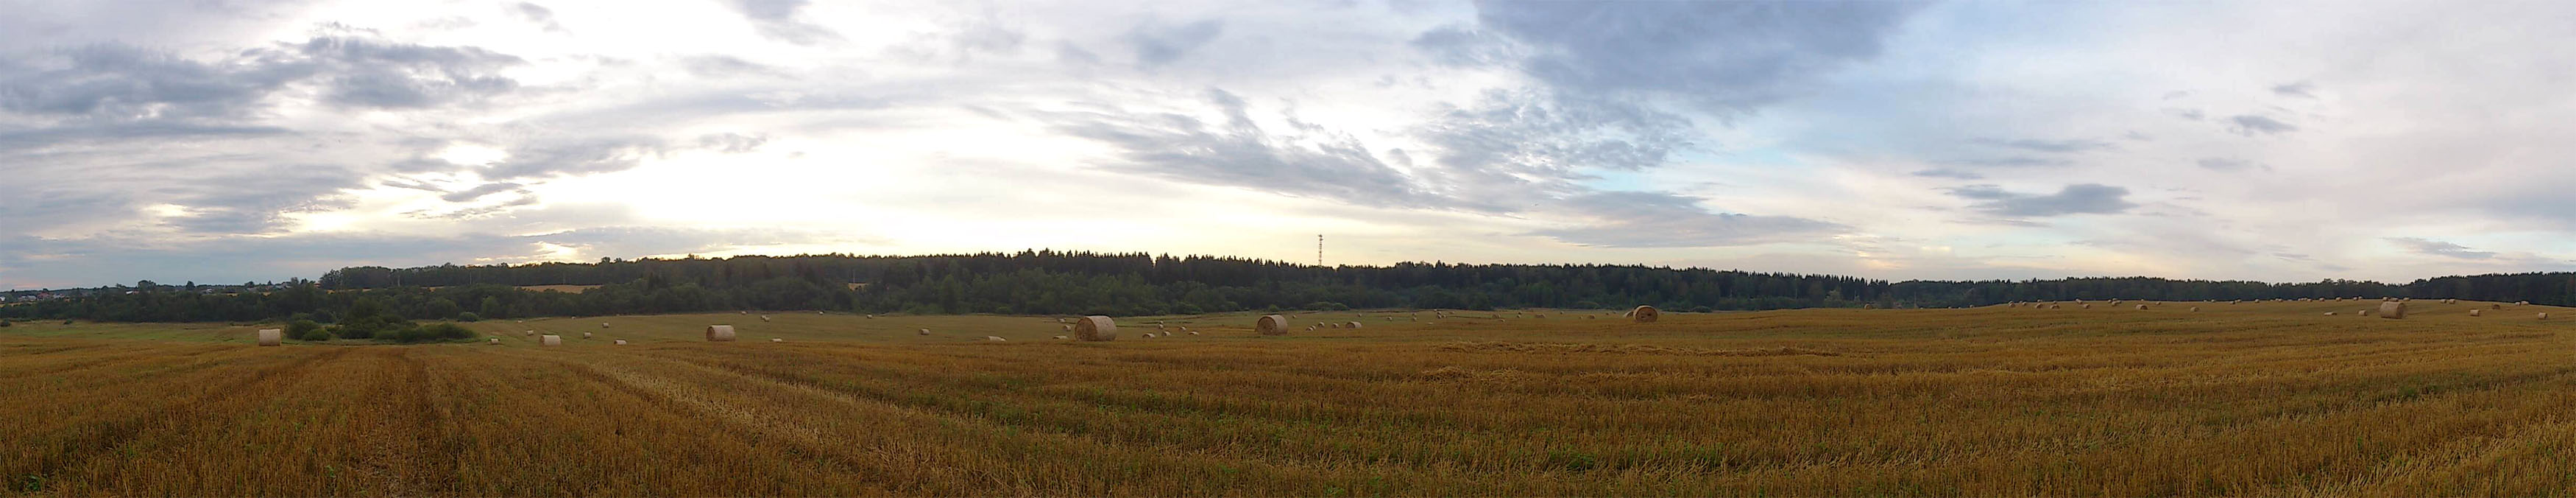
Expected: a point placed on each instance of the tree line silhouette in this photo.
(1130, 284)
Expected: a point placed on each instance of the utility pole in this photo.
(1319, 249)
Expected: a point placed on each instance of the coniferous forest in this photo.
(1050, 282)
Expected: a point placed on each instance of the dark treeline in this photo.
(1049, 282)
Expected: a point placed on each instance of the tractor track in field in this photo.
(982, 419)
(125, 358)
(808, 441)
(390, 462)
(116, 434)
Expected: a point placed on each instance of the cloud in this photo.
(778, 20)
(1157, 45)
(2250, 125)
(2300, 89)
(1465, 46)
(1496, 159)
(370, 73)
(479, 191)
(538, 14)
(1654, 219)
(2229, 164)
(1238, 152)
(1518, 133)
(2010, 162)
(2039, 145)
(117, 82)
(2438, 248)
(123, 83)
(2082, 198)
(725, 66)
(90, 261)
(576, 157)
(731, 143)
(1724, 57)
(1949, 173)
(254, 201)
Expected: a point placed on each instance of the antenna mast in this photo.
(1319, 249)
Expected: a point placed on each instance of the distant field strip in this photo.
(2251, 399)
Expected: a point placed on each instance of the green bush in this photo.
(468, 317)
(306, 330)
(433, 332)
(4, 323)
(370, 327)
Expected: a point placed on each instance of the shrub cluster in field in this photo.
(371, 321)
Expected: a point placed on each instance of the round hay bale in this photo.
(990, 338)
(603, 325)
(872, 317)
(2494, 306)
(2392, 310)
(1194, 332)
(1096, 328)
(2363, 312)
(2544, 315)
(1067, 328)
(764, 318)
(2330, 313)
(2477, 312)
(585, 335)
(1271, 325)
(530, 333)
(550, 340)
(2142, 307)
(495, 341)
(2195, 309)
(620, 342)
(272, 337)
(1644, 314)
(774, 339)
(1149, 335)
(1062, 336)
(1353, 325)
(923, 332)
(2088, 306)
(719, 333)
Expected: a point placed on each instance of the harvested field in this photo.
(2245, 399)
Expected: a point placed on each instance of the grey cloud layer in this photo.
(1722, 56)
(120, 83)
(780, 19)
(237, 259)
(2428, 247)
(2084, 198)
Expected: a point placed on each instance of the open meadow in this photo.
(2235, 399)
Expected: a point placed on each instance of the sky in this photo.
(230, 141)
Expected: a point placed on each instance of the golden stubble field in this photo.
(2246, 399)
